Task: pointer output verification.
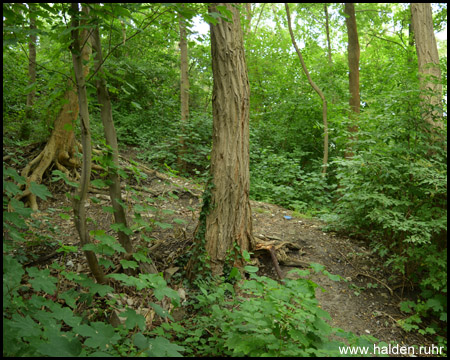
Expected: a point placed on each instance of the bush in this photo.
(279, 178)
(397, 197)
(262, 317)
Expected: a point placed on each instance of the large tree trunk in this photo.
(60, 149)
(80, 45)
(184, 90)
(229, 222)
(428, 59)
(316, 89)
(353, 77)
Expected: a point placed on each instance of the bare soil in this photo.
(365, 302)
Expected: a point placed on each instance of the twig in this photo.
(374, 278)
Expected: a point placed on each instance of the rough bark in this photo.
(184, 90)
(80, 44)
(428, 60)
(353, 80)
(316, 89)
(111, 140)
(229, 221)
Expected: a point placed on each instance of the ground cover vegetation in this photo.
(385, 181)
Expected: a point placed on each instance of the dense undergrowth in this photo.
(58, 312)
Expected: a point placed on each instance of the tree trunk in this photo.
(184, 90)
(353, 64)
(111, 140)
(32, 58)
(428, 59)
(25, 127)
(249, 15)
(316, 89)
(60, 148)
(327, 28)
(228, 221)
(82, 47)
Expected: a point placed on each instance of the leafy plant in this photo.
(260, 317)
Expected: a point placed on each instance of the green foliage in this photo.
(262, 318)
(397, 196)
(279, 178)
(40, 320)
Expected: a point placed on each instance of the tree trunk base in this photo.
(64, 160)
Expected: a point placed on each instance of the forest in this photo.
(217, 179)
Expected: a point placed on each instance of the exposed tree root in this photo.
(36, 168)
(279, 253)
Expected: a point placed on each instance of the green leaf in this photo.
(61, 347)
(121, 227)
(11, 188)
(96, 288)
(136, 105)
(406, 306)
(103, 335)
(15, 176)
(41, 280)
(160, 311)
(40, 191)
(317, 267)
(163, 225)
(161, 347)
(162, 291)
(234, 273)
(179, 221)
(99, 183)
(108, 209)
(26, 325)
(57, 175)
(141, 257)
(246, 255)
(12, 274)
(70, 297)
(140, 341)
(127, 264)
(133, 319)
(434, 304)
(251, 269)
(331, 276)
(64, 216)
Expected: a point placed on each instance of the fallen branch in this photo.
(374, 278)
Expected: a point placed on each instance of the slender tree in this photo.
(327, 29)
(428, 60)
(184, 89)
(316, 89)
(80, 51)
(32, 57)
(115, 192)
(228, 221)
(353, 77)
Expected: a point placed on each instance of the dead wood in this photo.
(278, 251)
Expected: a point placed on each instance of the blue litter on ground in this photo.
(287, 217)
